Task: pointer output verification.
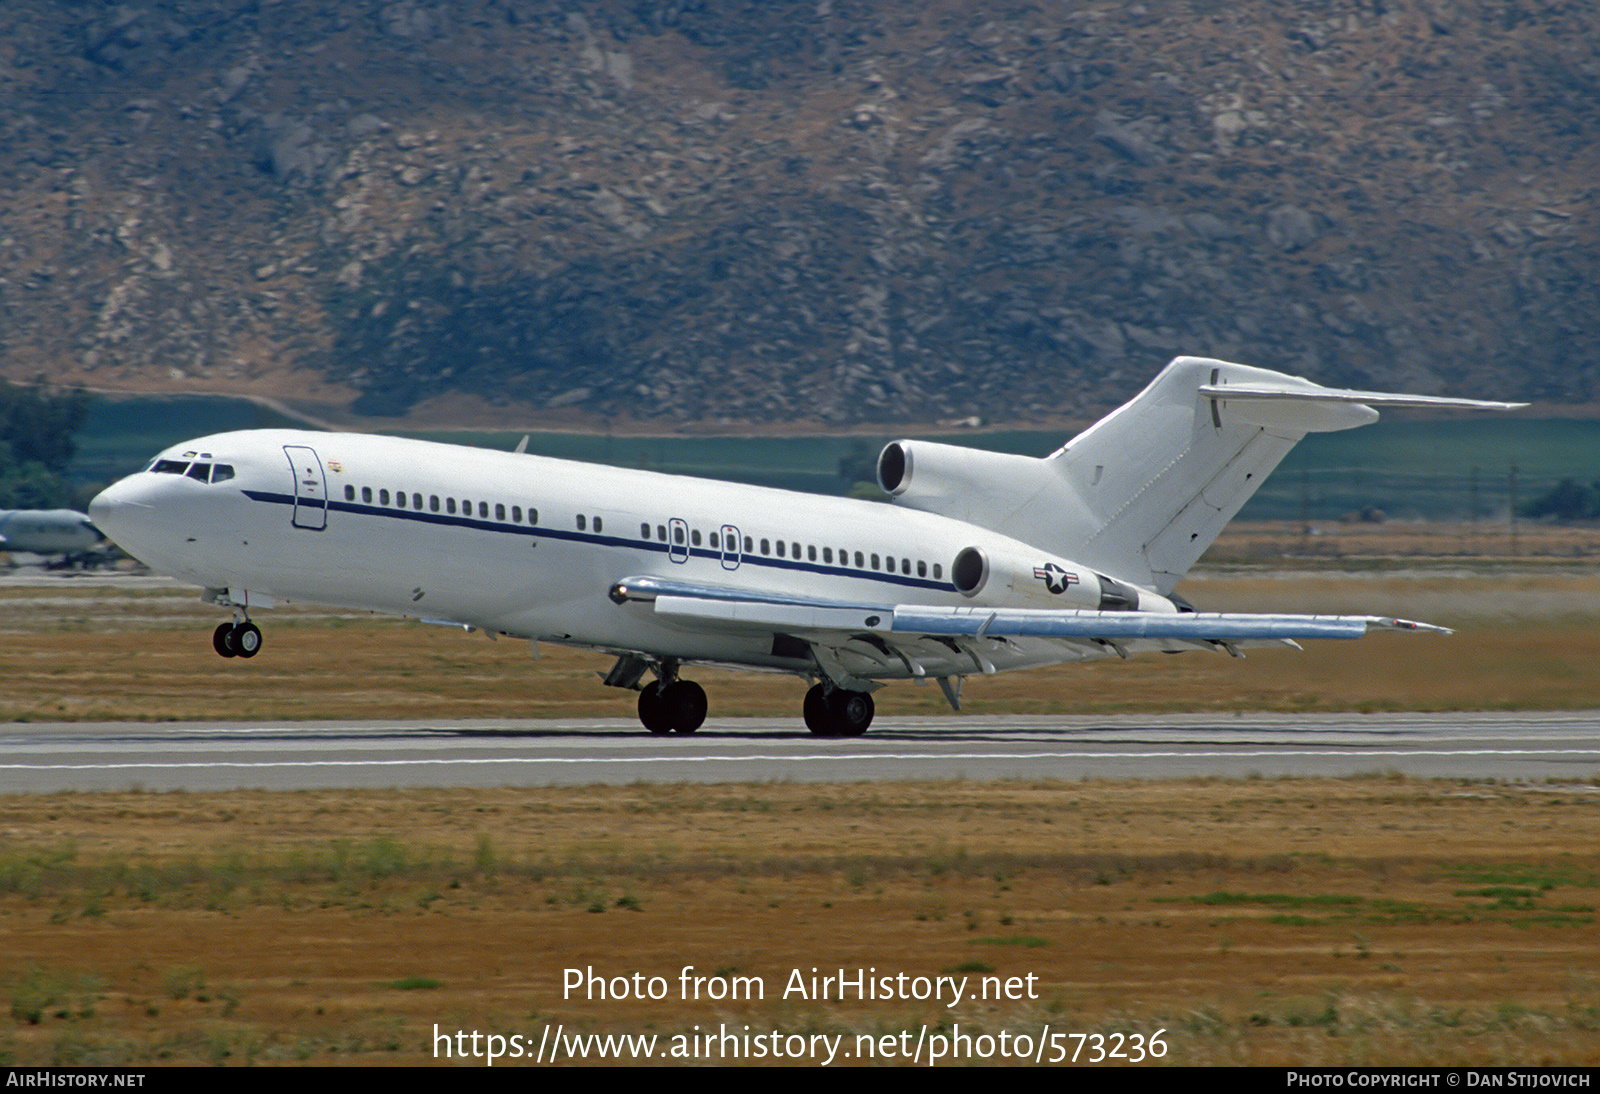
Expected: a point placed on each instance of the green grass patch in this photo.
(415, 983)
(1025, 940)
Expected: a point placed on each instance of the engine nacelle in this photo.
(1007, 578)
(964, 483)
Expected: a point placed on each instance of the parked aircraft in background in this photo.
(59, 532)
(984, 561)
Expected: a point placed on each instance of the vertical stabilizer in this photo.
(1148, 488)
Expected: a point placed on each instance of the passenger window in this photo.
(433, 502)
(661, 532)
(366, 495)
(811, 553)
(905, 566)
(466, 507)
(714, 541)
(874, 562)
(694, 537)
(483, 510)
(922, 568)
(766, 547)
(677, 534)
(859, 564)
(383, 497)
(222, 472)
(516, 514)
(400, 499)
(644, 531)
(349, 493)
(938, 571)
(598, 524)
(747, 547)
(533, 516)
(827, 555)
(583, 522)
(449, 505)
(499, 511)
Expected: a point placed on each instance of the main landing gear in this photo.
(668, 704)
(836, 712)
(242, 639)
(676, 706)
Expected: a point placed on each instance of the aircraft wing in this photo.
(863, 641)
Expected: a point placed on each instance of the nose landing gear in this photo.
(241, 639)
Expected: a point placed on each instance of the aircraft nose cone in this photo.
(116, 510)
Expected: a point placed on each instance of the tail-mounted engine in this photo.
(1005, 577)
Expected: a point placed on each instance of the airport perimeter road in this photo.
(39, 757)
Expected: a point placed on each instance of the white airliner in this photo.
(64, 532)
(983, 562)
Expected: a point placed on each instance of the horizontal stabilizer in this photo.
(1341, 395)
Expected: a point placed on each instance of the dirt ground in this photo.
(1371, 920)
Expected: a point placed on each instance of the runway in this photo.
(202, 756)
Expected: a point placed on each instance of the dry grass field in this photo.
(1371, 920)
(1374, 920)
(1526, 639)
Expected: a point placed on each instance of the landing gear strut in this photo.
(241, 639)
(836, 712)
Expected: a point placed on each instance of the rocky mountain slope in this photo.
(725, 213)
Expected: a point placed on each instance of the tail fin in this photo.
(1143, 492)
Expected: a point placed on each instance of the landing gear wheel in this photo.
(247, 639)
(850, 712)
(816, 712)
(222, 641)
(685, 702)
(652, 711)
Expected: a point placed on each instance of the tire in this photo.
(652, 710)
(851, 712)
(247, 639)
(685, 701)
(816, 712)
(222, 641)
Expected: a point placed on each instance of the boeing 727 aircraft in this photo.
(983, 562)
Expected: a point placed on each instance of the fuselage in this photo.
(531, 546)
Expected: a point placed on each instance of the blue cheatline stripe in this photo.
(540, 531)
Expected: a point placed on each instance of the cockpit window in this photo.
(198, 471)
